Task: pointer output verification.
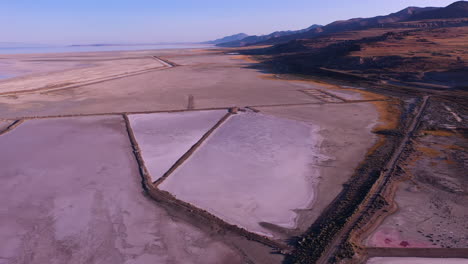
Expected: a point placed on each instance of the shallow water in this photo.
(62, 49)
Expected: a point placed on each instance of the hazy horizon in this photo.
(145, 21)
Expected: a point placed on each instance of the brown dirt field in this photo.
(438, 44)
(431, 196)
(442, 133)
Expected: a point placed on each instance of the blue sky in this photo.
(132, 21)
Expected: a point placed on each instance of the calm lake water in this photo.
(62, 49)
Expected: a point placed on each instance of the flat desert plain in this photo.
(242, 148)
(254, 169)
(165, 137)
(71, 194)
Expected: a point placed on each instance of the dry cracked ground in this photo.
(182, 156)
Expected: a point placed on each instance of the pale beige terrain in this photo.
(254, 163)
(71, 193)
(346, 132)
(255, 168)
(165, 137)
(272, 172)
(81, 70)
(213, 80)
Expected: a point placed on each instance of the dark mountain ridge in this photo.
(355, 24)
(227, 39)
(254, 39)
(430, 53)
(456, 10)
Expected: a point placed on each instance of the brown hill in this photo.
(256, 39)
(456, 10)
(337, 26)
(428, 57)
(227, 39)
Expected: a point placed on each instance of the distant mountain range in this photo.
(255, 39)
(227, 39)
(456, 10)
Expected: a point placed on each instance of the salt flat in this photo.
(165, 137)
(417, 261)
(69, 71)
(346, 130)
(254, 168)
(214, 80)
(71, 193)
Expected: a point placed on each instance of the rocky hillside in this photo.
(456, 10)
(227, 39)
(407, 16)
(255, 39)
(427, 57)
